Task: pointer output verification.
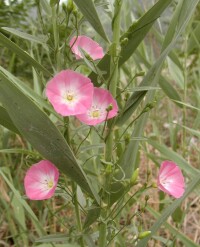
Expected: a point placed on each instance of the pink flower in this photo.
(97, 113)
(41, 180)
(70, 93)
(170, 179)
(90, 46)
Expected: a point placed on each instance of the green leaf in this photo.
(41, 102)
(42, 134)
(194, 39)
(22, 54)
(29, 211)
(17, 151)
(187, 105)
(171, 155)
(174, 31)
(88, 10)
(92, 215)
(139, 30)
(193, 131)
(6, 121)
(58, 245)
(169, 211)
(167, 88)
(42, 39)
(136, 34)
(186, 241)
(53, 238)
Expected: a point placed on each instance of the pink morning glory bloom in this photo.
(170, 179)
(41, 180)
(87, 44)
(97, 113)
(70, 93)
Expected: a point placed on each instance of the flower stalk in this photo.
(112, 88)
(115, 50)
(77, 212)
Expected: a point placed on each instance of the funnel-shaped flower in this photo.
(90, 46)
(99, 111)
(170, 179)
(70, 93)
(41, 180)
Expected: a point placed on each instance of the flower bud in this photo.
(154, 185)
(70, 6)
(141, 73)
(109, 108)
(134, 177)
(144, 234)
(109, 169)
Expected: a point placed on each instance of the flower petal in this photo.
(97, 113)
(87, 44)
(37, 178)
(70, 93)
(170, 179)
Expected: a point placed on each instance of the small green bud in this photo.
(109, 108)
(127, 139)
(53, 2)
(70, 6)
(154, 185)
(141, 73)
(132, 27)
(134, 177)
(109, 169)
(124, 42)
(147, 198)
(144, 234)
(106, 163)
(75, 12)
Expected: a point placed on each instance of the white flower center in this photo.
(95, 112)
(69, 97)
(49, 183)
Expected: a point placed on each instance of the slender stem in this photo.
(77, 212)
(185, 99)
(112, 88)
(55, 12)
(114, 72)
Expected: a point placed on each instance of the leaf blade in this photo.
(22, 54)
(89, 11)
(37, 128)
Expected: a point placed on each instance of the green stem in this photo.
(114, 72)
(185, 99)
(77, 212)
(55, 11)
(112, 88)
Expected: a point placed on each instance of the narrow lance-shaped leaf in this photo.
(135, 34)
(168, 211)
(136, 97)
(40, 101)
(37, 128)
(42, 39)
(170, 154)
(88, 10)
(129, 159)
(176, 232)
(6, 121)
(168, 89)
(22, 54)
